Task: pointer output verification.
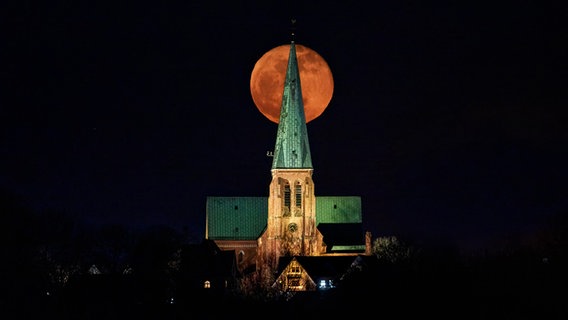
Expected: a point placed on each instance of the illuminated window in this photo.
(294, 283)
(207, 284)
(295, 269)
(326, 284)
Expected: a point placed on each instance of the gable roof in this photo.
(329, 267)
(245, 218)
(213, 262)
(333, 270)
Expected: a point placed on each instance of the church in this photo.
(292, 223)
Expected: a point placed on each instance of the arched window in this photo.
(207, 284)
(298, 192)
(307, 189)
(241, 257)
(287, 200)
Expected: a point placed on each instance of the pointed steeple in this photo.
(292, 149)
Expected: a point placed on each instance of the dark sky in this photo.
(448, 117)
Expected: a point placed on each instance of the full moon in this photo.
(269, 73)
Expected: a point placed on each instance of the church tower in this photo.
(291, 226)
(265, 232)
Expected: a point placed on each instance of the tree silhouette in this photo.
(391, 249)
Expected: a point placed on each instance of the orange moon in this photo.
(269, 73)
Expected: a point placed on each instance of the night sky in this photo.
(448, 117)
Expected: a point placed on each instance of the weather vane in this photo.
(293, 28)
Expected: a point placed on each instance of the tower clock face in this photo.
(292, 227)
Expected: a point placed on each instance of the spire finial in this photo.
(293, 29)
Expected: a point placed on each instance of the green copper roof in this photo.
(292, 150)
(236, 218)
(338, 209)
(244, 218)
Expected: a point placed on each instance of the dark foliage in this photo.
(516, 281)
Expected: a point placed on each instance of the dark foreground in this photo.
(396, 298)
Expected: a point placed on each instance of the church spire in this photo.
(292, 149)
